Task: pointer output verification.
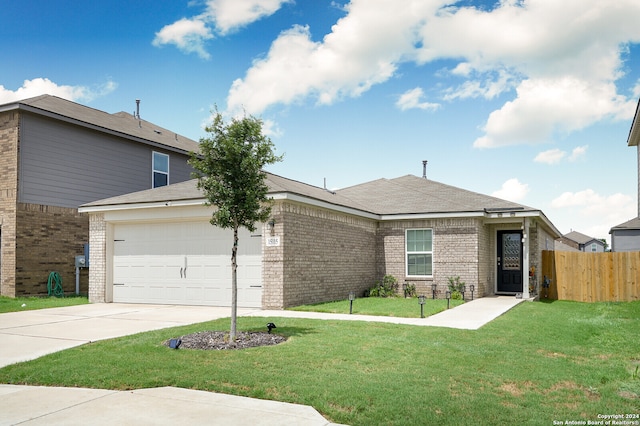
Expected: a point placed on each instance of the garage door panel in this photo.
(184, 263)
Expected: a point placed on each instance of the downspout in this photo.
(525, 259)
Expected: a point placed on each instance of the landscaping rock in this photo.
(218, 340)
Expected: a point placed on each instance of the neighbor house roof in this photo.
(631, 224)
(121, 124)
(407, 196)
(581, 238)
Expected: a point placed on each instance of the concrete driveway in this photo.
(28, 335)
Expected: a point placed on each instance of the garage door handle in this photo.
(255, 286)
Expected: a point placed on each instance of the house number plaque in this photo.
(273, 241)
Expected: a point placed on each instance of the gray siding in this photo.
(64, 165)
(625, 240)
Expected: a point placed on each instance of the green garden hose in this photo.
(54, 285)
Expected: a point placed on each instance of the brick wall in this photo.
(98, 258)
(48, 239)
(9, 129)
(323, 255)
(455, 252)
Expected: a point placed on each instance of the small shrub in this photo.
(385, 288)
(456, 295)
(410, 290)
(455, 285)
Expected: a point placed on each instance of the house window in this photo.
(419, 252)
(594, 247)
(160, 169)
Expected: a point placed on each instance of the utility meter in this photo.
(80, 261)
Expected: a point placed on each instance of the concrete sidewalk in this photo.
(30, 334)
(50, 406)
(469, 316)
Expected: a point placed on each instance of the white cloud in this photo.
(222, 16)
(512, 190)
(41, 86)
(189, 35)
(364, 48)
(412, 99)
(552, 156)
(555, 156)
(558, 65)
(578, 153)
(595, 214)
(229, 15)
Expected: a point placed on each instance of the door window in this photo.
(511, 252)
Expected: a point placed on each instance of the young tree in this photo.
(229, 171)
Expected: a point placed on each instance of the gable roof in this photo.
(581, 238)
(120, 124)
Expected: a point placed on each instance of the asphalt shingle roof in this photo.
(405, 195)
(578, 237)
(121, 123)
(410, 194)
(631, 224)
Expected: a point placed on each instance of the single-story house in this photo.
(157, 246)
(582, 242)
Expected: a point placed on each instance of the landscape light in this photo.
(421, 300)
(472, 287)
(270, 326)
(434, 289)
(448, 296)
(352, 297)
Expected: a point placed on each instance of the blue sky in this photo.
(527, 100)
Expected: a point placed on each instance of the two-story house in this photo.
(626, 236)
(56, 155)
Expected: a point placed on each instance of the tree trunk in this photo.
(234, 286)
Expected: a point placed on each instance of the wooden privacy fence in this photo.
(591, 277)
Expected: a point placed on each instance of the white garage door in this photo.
(187, 263)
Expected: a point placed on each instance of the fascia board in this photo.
(137, 206)
(444, 215)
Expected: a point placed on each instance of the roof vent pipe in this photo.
(424, 168)
(137, 109)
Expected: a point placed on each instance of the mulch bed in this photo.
(219, 340)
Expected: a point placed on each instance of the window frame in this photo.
(419, 252)
(154, 170)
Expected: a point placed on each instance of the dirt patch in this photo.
(219, 340)
(551, 354)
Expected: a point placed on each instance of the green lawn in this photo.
(9, 304)
(538, 363)
(391, 306)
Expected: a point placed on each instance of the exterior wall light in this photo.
(352, 297)
(448, 296)
(272, 225)
(421, 300)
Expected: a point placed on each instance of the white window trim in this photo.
(154, 171)
(406, 253)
